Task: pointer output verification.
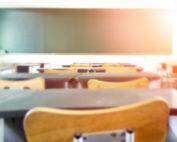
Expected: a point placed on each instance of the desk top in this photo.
(14, 103)
(6, 68)
(115, 76)
(57, 80)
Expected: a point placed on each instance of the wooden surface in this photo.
(112, 65)
(60, 71)
(36, 83)
(56, 125)
(81, 65)
(79, 69)
(138, 83)
(110, 69)
(15, 103)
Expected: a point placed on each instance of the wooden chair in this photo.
(77, 65)
(60, 71)
(36, 83)
(148, 119)
(121, 69)
(138, 83)
(106, 65)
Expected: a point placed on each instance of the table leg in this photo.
(1, 130)
(13, 130)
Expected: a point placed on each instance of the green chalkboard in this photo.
(94, 31)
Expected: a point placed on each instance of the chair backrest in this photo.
(121, 69)
(76, 65)
(148, 119)
(36, 83)
(60, 71)
(138, 83)
(106, 65)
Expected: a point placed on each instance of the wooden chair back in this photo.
(77, 65)
(138, 83)
(107, 65)
(35, 83)
(148, 119)
(60, 71)
(122, 69)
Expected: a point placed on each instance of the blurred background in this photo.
(88, 31)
